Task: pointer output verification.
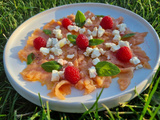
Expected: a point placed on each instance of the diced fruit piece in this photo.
(39, 42)
(66, 22)
(82, 41)
(72, 74)
(124, 54)
(106, 22)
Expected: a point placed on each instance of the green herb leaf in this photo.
(72, 38)
(106, 69)
(51, 65)
(30, 58)
(128, 35)
(99, 15)
(93, 42)
(47, 32)
(80, 19)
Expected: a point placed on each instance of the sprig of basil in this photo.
(47, 32)
(128, 35)
(72, 38)
(105, 68)
(80, 19)
(93, 42)
(30, 58)
(51, 65)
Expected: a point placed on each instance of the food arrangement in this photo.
(84, 51)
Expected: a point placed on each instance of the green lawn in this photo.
(14, 107)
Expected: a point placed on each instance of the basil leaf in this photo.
(51, 65)
(106, 69)
(47, 32)
(128, 35)
(72, 38)
(93, 42)
(80, 19)
(30, 58)
(99, 15)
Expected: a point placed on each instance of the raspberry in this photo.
(124, 54)
(66, 22)
(106, 22)
(39, 42)
(72, 74)
(82, 41)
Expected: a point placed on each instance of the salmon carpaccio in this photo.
(61, 88)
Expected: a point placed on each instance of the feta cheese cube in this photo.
(88, 22)
(57, 33)
(102, 51)
(100, 18)
(115, 32)
(124, 43)
(73, 28)
(82, 30)
(139, 66)
(95, 61)
(55, 76)
(61, 43)
(117, 37)
(56, 51)
(60, 61)
(49, 42)
(109, 45)
(57, 27)
(134, 60)
(89, 50)
(94, 32)
(93, 18)
(100, 31)
(54, 41)
(61, 73)
(122, 27)
(115, 48)
(44, 50)
(92, 72)
(70, 56)
(70, 45)
(70, 64)
(90, 37)
(89, 32)
(95, 53)
(51, 57)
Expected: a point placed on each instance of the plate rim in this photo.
(79, 4)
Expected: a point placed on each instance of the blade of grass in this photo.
(109, 112)
(155, 112)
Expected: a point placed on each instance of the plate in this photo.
(111, 96)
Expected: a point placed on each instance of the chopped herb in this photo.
(51, 65)
(72, 38)
(93, 42)
(106, 69)
(30, 58)
(128, 35)
(47, 32)
(80, 19)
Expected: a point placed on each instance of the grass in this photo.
(15, 107)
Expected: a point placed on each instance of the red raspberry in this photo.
(82, 41)
(124, 54)
(39, 42)
(66, 22)
(106, 22)
(72, 74)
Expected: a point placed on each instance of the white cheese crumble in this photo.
(57, 27)
(122, 27)
(56, 51)
(70, 64)
(102, 51)
(44, 50)
(100, 31)
(55, 76)
(70, 56)
(124, 43)
(73, 28)
(90, 37)
(94, 32)
(62, 62)
(95, 61)
(89, 32)
(115, 32)
(115, 48)
(61, 43)
(109, 45)
(51, 57)
(57, 33)
(92, 72)
(49, 42)
(82, 30)
(93, 18)
(54, 41)
(88, 51)
(68, 34)
(95, 53)
(134, 60)
(139, 66)
(88, 22)
(117, 37)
